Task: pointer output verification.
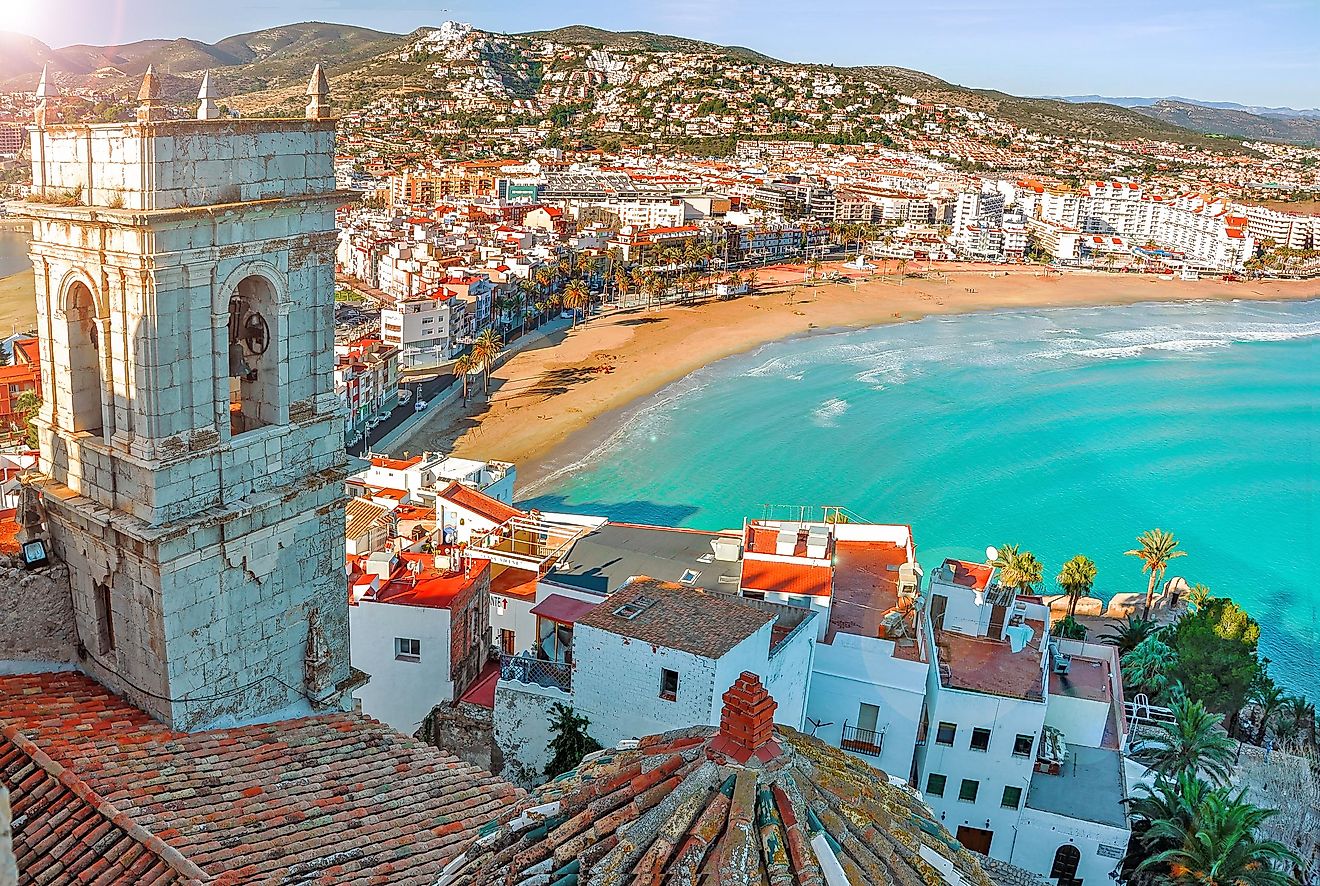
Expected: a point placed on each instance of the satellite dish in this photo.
(992, 553)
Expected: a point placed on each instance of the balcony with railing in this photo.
(862, 741)
(532, 671)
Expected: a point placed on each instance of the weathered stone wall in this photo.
(522, 730)
(183, 163)
(36, 614)
(465, 730)
(210, 619)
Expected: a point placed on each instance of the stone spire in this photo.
(318, 106)
(150, 108)
(208, 109)
(747, 722)
(45, 90)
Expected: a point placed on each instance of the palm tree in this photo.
(1271, 700)
(1173, 800)
(1076, 578)
(1146, 668)
(1129, 633)
(1018, 569)
(462, 366)
(1194, 742)
(1157, 548)
(486, 350)
(752, 279)
(1300, 713)
(1218, 847)
(576, 298)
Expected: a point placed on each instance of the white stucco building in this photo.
(419, 626)
(654, 656)
(1020, 753)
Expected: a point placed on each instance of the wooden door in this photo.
(975, 839)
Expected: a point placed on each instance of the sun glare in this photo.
(22, 16)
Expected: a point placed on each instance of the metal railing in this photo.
(524, 668)
(863, 741)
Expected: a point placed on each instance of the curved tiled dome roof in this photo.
(749, 803)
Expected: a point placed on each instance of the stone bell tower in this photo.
(191, 459)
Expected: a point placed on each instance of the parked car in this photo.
(405, 396)
(419, 406)
(566, 314)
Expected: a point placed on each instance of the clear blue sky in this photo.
(1249, 51)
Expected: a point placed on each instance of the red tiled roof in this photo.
(478, 503)
(9, 531)
(866, 590)
(28, 349)
(748, 803)
(330, 799)
(80, 835)
(797, 579)
(679, 617)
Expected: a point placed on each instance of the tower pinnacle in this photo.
(208, 109)
(150, 108)
(46, 90)
(318, 107)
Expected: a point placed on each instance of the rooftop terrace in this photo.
(980, 664)
(1089, 787)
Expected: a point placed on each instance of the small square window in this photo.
(1012, 798)
(967, 792)
(668, 684)
(407, 649)
(944, 735)
(980, 740)
(935, 784)
(1022, 745)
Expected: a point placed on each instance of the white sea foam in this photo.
(826, 414)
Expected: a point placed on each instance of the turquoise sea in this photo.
(1067, 431)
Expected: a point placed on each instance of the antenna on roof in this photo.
(415, 567)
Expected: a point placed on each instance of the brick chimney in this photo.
(747, 722)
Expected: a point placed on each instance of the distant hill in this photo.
(266, 70)
(643, 41)
(1138, 102)
(21, 55)
(1298, 130)
(243, 63)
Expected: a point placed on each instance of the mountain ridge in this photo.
(264, 70)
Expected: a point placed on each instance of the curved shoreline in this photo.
(552, 404)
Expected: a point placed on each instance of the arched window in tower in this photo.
(83, 343)
(254, 388)
(1064, 869)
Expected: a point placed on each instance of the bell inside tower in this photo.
(253, 367)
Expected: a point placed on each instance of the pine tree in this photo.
(569, 740)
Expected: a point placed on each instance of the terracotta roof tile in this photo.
(333, 798)
(479, 503)
(678, 617)
(681, 808)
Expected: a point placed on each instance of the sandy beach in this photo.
(544, 402)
